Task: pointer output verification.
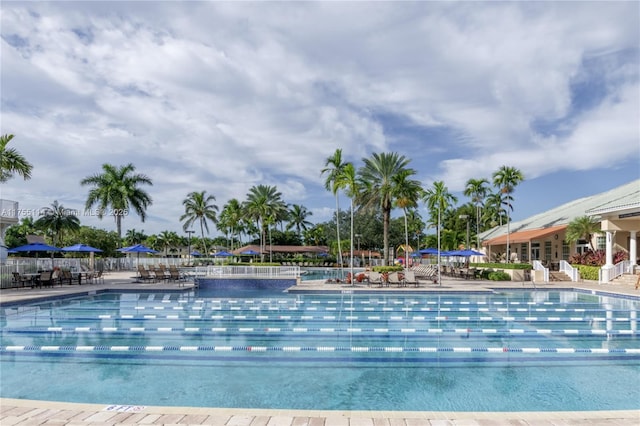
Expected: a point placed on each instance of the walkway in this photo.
(29, 412)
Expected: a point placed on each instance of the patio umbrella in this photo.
(466, 253)
(196, 253)
(428, 251)
(137, 248)
(250, 252)
(223, 253)
(81, 248)
(36, 248)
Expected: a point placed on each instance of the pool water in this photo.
(511, 351)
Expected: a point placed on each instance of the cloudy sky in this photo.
(222, 96)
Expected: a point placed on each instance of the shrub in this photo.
(588, 272)
(499, 276)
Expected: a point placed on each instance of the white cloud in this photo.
(222, 96)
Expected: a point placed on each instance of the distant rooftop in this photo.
(623, 197)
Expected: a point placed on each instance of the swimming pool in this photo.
(509, 351)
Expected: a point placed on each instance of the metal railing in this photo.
(609, 274)
(572, 272)
(538, 266)
(249, 271)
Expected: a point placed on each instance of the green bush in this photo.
(588, 272)
(502, 265)
(499, 276)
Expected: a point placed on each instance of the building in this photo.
(541, 237)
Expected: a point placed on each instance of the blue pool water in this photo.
(511, 351)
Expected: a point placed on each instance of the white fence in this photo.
(538, 266)
(571, 272)
(247, 271)
(609, 274)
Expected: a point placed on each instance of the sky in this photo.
(223, 96)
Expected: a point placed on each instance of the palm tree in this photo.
(132, 237)
(348, 181)
(477, 191)
(117, 191)
(12, 162)
(231, 218)
(57, 220)
(198, 207)
(438, 199)
(506, 179)
(298, 218)
(377, 176)
(582, 228)
(264, 203)
(167, 240)
(334, 167)
(493, 209)
(406, 193)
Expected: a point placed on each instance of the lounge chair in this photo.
(410, 278)
(394, 278)
(145, 275)
(375, 278)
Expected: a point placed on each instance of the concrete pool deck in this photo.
(32, 412)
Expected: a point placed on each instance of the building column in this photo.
(633, 249)
(609, 249)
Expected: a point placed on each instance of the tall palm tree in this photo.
(506, 179)
(133, 236)
(582, 228)
(199, 207)
(334, 166)
(264, 203)
(12, 162)
(477, 191)
(377, 176)
(348, 181)
(167, 240)
(438, 199)
(406, 192)
(493, 209)
(116, 191)
(57, 220)
(230, 218)
(298, 218)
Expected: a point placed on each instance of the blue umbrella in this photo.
(250, 252)
(36, 248)
(196, 253)
(428, 251)
(83, 248)
(466, 253)
(223, 253)
(138, 248)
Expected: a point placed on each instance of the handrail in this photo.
(538, 266)
(251, 271)
(569, 270)
(611, 273)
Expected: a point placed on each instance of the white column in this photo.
(609, 247)
(633, 249)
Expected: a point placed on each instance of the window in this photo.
(601, 242)
(565, 250)
(547, 251)
(524, 255)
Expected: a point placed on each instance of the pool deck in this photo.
(31, 412)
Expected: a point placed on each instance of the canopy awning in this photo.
(524, 236)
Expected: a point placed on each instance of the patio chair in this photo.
(20, 280)
(410, 278)
(394, 278)
(145, 275)
(45, 279)
(375, 278)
